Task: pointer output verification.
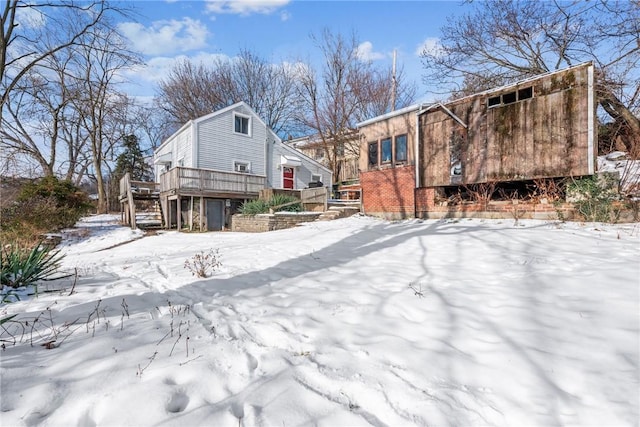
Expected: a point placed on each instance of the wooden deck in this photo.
(210, 183)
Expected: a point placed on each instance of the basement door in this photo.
(215, 215)
(287, 177)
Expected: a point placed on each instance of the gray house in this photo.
(212, 164)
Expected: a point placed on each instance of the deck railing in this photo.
(136, 187)
(181, 179)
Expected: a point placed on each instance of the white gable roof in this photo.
(230, 108)
(214, 114)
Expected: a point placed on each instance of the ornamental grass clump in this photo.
(254, 207)
(26, 267)
(284, 202)
(279, 202)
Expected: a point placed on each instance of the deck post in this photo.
(178, 214)
(191, 214)
(326, 199)
(201, 212)
(132, 205)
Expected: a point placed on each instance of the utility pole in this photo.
(394, 83)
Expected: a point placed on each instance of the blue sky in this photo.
(280, 30)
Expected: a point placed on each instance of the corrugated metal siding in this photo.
(219, 146)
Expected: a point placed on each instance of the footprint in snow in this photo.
(252, 362)
(178, 402)
(87, 420)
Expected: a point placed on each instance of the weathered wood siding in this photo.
(543, 135)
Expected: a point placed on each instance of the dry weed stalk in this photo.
(482, 192)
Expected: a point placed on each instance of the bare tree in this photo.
(33, 31)
(98, 63)
(152, 124)
(345, 91)
(270, 89)
(193, 90)
(376, 92)
(40, 121)
(506, 40)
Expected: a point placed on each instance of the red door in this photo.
(287, 178)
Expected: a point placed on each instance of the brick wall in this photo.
(500, 210)
(389, 193)
(425, 199)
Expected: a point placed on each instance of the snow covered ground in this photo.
(343, 323)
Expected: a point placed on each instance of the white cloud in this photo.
(159, 67)
(297, 69)
(285, 16)
(245, 7)
(365, 52)
(30, 18)
(165, 37)
(431, 45)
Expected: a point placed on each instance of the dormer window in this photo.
(242, 124)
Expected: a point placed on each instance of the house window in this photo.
(525, 93)
(340, 149)
(493, 101)
(510, 97)
(319, 153)
(386, 150)
(373, 154)
(401, 148)
(242, 124)
(242, 167)
(316, 178)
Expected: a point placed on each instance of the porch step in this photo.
(335, 212)
(146, 220)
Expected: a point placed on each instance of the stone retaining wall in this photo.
(269, 222)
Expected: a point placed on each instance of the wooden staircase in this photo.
(140, 203)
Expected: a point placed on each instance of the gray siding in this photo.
(219, 146)
(183, 148)
(302, 174)
(179, 146)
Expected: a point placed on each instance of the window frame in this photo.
(406, 149)
(382, 143)
(247, 165)
(241, 116)
(371, 164)
(316, 175)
